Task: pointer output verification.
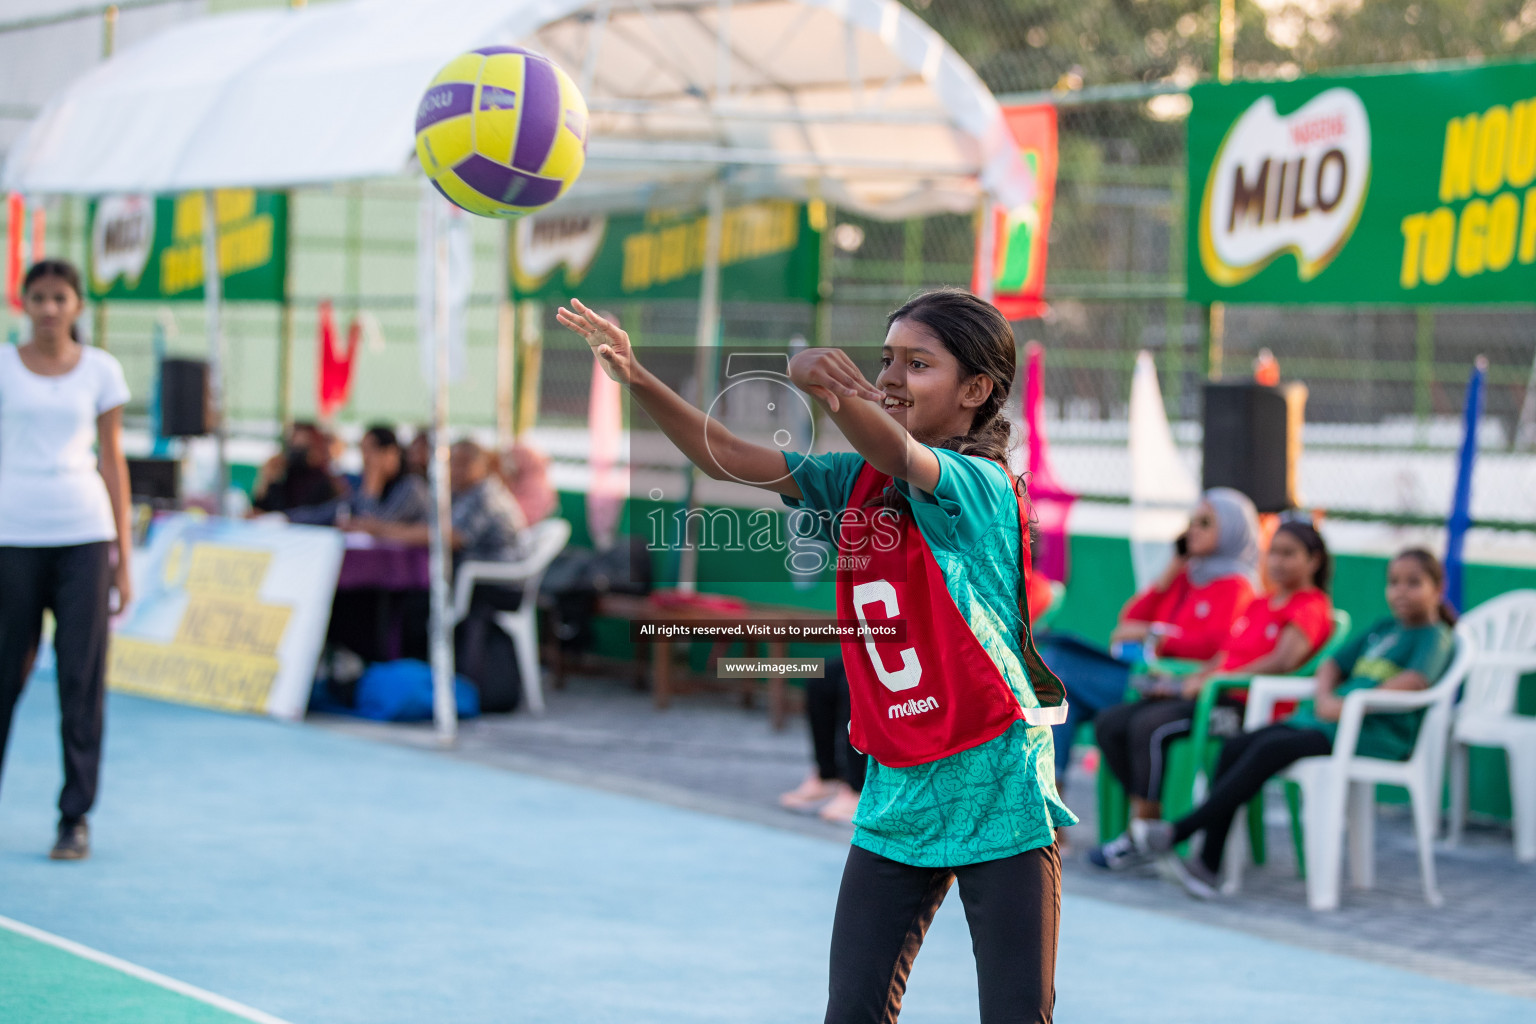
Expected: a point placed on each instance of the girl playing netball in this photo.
(954, 711)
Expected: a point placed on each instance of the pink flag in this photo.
(1051, 500)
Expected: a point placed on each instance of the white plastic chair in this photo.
(547, 539)
(1343, 784)
(1506, 634)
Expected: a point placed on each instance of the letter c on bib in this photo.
(882, 593)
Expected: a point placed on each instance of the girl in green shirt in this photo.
(1409, 650)
(978, 806)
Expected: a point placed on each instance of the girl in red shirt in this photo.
(1187, 613)
(1275, 635)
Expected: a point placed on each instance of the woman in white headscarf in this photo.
(1187, 613)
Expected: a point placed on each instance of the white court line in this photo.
(142, 973)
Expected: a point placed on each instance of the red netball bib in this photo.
(935, 691)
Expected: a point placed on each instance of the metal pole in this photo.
(705, 363)
(986, 253)
(108, 44)
(1423, 374)
(285, 327)
(506, 345)
(212, 296)
(1226, 38)
(826, 254)
(1216, 312)
(444, 709)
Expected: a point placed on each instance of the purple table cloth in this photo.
(385, 567)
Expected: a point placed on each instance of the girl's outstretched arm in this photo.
(830, 376)
(704, 440)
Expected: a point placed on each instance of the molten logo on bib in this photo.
(1293, 184)
(912, 707)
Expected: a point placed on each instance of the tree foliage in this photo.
(1022, 45)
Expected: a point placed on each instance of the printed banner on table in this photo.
(1412, 188)
(1022, 234)
(227, 614)
(770, 251)
(151, 247)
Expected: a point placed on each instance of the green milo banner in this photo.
(770, 251)
(150, 248)
(1416, 188)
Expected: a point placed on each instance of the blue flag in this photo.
(1461, 509)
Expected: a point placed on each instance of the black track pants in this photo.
(884, 908)
(73, 581)
(1246, 763)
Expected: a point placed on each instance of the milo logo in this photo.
(1294, 184)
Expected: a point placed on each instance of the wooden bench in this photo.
(666, 681)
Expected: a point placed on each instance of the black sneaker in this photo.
(74, 842)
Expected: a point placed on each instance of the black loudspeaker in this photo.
(1253, 441)
(154, 480)
(183, 398)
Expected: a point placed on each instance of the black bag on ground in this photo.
(486, 655)
(578, 575)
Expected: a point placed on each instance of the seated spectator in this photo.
(1187, 613)
(1407, 651)
(525, 471)
(1276, 635)
(487, 524)
(388, 493)
(419, 452)
(300, 475)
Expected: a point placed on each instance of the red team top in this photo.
(934, 691)
(1201, 617)
(1257, 630)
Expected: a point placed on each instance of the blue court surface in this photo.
(323, 879)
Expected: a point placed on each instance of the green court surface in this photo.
(42, 983)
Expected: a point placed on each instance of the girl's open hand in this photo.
(609, 344)
(828, 374)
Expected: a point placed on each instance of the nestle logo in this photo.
(912, 707)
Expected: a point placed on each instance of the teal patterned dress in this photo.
(998, 799)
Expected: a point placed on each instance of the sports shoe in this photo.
(1118, 854)
(1197, 879)
(1152, 837)
(74, 842)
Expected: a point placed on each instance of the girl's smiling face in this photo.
(924, 385)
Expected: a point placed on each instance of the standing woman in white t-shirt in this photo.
(63, 517)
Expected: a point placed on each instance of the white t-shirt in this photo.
(51, 493)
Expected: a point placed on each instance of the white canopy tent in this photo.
(857, 102)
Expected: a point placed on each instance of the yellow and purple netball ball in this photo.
(502, 131)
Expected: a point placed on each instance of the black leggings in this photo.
(73, 581)
(1133, 740)
(884, 909)
(826, 710)
(1246, 763)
